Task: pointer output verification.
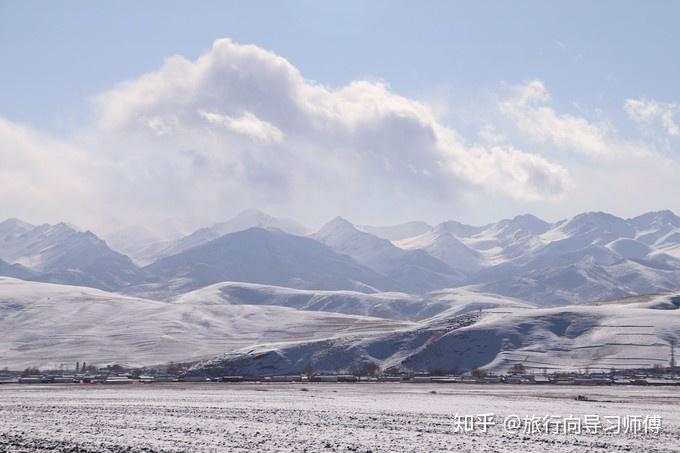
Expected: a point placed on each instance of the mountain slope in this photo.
(621, 334)
(592, 256)
(416, 270)
(442, 244)
(60, 253)
(16, 271)
(242, 221)
(268, 257)
(397, 306)
(45, 324)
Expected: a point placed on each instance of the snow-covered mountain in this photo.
(139, 243)
(61, 253)
(15, 270)
(622, 334)
(262, 256)
(446, 246)
(592, 256)
(416, 270)
(397, 232)
(154, 249)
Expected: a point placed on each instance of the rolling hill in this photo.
(47, 325)
(620, 334)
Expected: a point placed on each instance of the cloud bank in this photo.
(195, 141)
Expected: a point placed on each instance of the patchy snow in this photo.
(325, 417)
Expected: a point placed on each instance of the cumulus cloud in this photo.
(248, 125)
(647, 112)
(529, 107)
(241, 125)
(608, 171)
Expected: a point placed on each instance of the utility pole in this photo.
(672, 354)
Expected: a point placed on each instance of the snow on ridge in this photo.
(389, 305)
(45, 324)
(603, 336)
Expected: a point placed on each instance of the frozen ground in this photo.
(317, 417)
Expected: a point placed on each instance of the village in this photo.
(518, 375)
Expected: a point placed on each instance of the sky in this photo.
(174, 115)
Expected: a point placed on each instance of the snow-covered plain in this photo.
(319, 418)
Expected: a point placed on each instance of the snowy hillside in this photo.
(443, 244)
(592, 256)
(154, 250)
(622, 334)
(262, 256)
(415, 270)
(61, 253)
(398, 306)
(15, 270)
(45, 324)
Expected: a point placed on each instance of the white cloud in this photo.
(529, 177)
(242, 126)
(645, 111)
(248, 125)
(41, 178)
(529, 107)
(608, 171)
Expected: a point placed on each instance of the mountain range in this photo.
(257, 294)
(62, 253)
(592, 256)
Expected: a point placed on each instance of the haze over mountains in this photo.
(273, 295)
(592, 256)
(61, 253)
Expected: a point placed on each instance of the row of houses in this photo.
(535, 379)
(623, 378)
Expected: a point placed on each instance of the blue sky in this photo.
(461, 58)
(56, 54)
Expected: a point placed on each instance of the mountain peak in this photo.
(338, 225)
(656, 219)
(255, 218)
(588, 221)
(15, 223)
(527, 223)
